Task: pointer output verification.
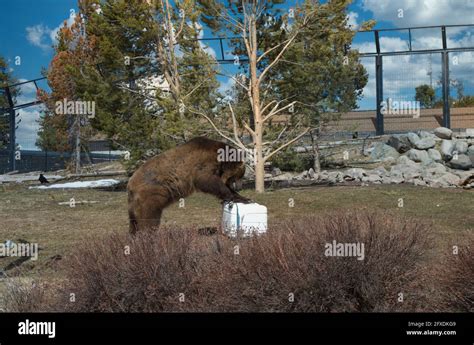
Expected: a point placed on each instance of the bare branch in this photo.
(194, 89)
(274, 141)
(269, 104)
(286, 144)
(216, 129)
(286, 46)
(181, 27)
(234, 79)
(234, 125)
(277, 58)
(270, 50)
(274, 111)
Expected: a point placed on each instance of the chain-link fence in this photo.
(418, 79)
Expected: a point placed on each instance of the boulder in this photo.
(276, 171)
(465, 177)
(397, 180)
(396, 171)
(462, 162)
(460, 146)
(323, 175)
(425, 134)
(380, 171)
(450, 179)
(386, 180)
(434, 155)
(372, 178)
(443, 181)
(418, 182)
(404, 171)
(335, 176)
(447, 147)
(407, 161)
(311, 173)
(413, 138)
(301, 176)
(411, 174)
(418, 156)
(425, 143)
(399, 142)
(384, 152)
(284, 177)
(443, 133)
(355, 173)
(433, 169)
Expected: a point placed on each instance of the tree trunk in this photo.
(255, 99)
(78, 144)
(259, 161)
(316, 162)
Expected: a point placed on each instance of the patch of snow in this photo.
(80, 184)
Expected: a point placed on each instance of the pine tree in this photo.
(141, 62)
(296, 65)
(6, 79)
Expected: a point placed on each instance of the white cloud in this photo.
(37, 36)
(43, 37)
(53, 34)
(352, 20)
(405, 13)
(27, 89)
(205, 47)
(28, 127)
(226, 86)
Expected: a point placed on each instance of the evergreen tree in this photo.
(141, 63)
(425, 94)
(6, 79)
(299, 63)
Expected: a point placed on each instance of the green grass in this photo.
(36, 216)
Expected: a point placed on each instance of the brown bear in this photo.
(176, 173)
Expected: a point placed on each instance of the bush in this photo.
(456, 282)
(180, 270)
(23, 295)
(289, 160)
(291, 260)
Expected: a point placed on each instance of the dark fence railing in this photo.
(48, 161)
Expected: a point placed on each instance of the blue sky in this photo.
(27, 29)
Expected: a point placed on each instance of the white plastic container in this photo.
(244, 219)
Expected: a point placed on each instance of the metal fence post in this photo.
(378, 87)
(445, 80)
(12, 128)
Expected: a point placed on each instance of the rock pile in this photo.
(423, 159)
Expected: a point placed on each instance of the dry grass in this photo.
(176, 269)
(456, 271)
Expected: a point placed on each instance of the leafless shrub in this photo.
(290, 264)
(284, 270)
(23, 296)
(456, 278)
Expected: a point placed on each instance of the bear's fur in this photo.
(177, 173)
